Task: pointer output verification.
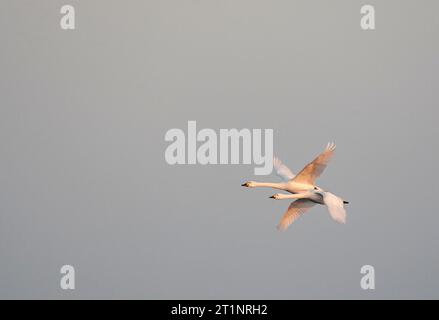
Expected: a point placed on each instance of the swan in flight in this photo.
(303, 189)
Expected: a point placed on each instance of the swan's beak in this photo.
(243, 185)
(272, 197)
(345, 202)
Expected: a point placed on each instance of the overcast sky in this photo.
(84, 181)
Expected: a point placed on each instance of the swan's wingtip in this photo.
(331, 146)
(328, 145)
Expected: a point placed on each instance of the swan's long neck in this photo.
(281, 186)
(292, 196)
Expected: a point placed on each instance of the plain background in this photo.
(83, 179)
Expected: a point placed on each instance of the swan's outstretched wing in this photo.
(294, 211)
(282, 170)
(315, 168)
(335, 207)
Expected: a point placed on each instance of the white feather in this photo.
(282, 170)
(335, 207)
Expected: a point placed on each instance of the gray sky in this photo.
(84, 182)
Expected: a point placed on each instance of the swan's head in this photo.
(249, 184)
(276, 196)
(318, 189)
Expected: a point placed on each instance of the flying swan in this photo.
(302, 187)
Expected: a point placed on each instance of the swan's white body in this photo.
(302, 187)
(290, 186)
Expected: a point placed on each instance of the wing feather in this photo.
(335, 207)
(282, 170)
(315, 168)
(294, 211)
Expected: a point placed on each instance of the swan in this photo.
(303, 189)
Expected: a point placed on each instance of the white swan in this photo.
(302, 188)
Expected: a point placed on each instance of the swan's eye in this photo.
(315, 188)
